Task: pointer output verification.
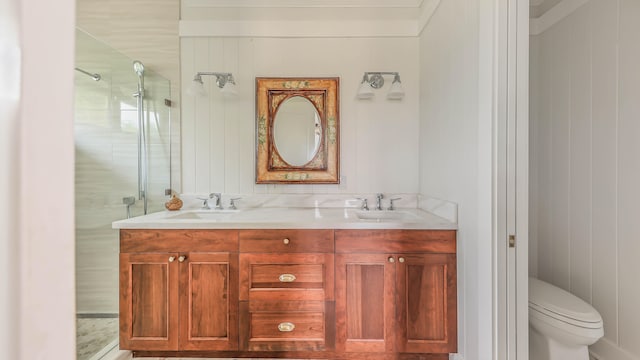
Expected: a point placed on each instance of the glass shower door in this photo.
(106, 141)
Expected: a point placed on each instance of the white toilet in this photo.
(561, 325)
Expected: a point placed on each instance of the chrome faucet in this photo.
(391, 207)
(218, 203)
(205, 203)
(218, 197)
(232, 204)
(364, 206)
(379, 201)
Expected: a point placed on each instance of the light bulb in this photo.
(365, 91)
(396, 92)
(196, 88)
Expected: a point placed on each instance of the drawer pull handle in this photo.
(287, 278)
(286, 327)
(286, 241)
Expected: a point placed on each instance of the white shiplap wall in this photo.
(455, 154)
(585, 167)
(379, 138)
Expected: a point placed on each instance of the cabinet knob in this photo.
(182, 258)
(391, 259)
(401, 259)
(172, 258)
(286, 241)
(286, 327)
(287, 278)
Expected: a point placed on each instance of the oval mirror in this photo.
(297, 130)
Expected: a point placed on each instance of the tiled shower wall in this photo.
(106, 142)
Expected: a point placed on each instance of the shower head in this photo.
(138, 67)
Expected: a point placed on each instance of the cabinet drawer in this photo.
(294, 326)
(290, 276)
(395, 241)
(286, 241)
(286, 277)
(173, 240)
(287, 325)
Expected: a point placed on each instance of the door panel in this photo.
(426, 303)
(148, 302)
(364, 303)
(208, 307)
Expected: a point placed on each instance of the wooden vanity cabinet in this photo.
(339, 294)
(184, 299)
(396, 291)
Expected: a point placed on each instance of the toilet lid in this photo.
(561, 304)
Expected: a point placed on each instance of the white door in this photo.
(511, 265)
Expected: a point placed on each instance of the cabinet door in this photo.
(426, 304)
(365, 302)
(209, 301)
(148, 301)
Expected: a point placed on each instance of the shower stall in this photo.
(122, 142)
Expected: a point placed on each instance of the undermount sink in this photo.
(204, 215)
(386, 215)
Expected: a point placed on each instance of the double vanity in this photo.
(330, 283)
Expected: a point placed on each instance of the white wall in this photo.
(9, 105)
(379, 138)
(36, 296)
(455, 158)
(585, 131)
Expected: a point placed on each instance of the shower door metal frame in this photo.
(143, 156)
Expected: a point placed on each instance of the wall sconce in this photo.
(224, 81)
(375, 80)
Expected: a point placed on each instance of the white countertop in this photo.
(289, 218)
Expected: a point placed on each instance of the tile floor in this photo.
(93, 334)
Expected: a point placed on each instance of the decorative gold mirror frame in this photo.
(324, 167)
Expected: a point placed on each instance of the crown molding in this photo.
(563, 9)
(304, 3)
(429, 7)
(298, 29)
(320, 28)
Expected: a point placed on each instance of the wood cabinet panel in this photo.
(287, 296)
(209, 301)
(287, 305)
(293, 276)
(365, 287)
(427, 303)
(395, 241)
(292, 326)
(260, 276)
(296, 326)
(148, 301)
(136, 240)
(286, 241)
